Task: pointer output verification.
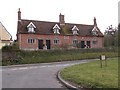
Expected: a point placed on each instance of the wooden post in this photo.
(100, 63)
(102, 57)
(105, 61)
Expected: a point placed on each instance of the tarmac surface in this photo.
(42, 75)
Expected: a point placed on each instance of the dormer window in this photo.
(56, 29)
(31, 27)
(75, 30)
(94, 31)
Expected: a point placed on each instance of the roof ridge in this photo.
(38, 21)
(79, 24)
(56, 22)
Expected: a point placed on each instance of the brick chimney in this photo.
(95, 23)
(19, 14)
(61, 19)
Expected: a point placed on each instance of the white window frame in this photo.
(31, 27)
(56, 41)
(75, 30)
(75, 41)
(30, 41)
(94, 31)
(56, 29)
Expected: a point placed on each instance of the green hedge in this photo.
(10, 57)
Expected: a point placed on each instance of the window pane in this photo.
(75, 32)
(75, 41)
(30, 41)
(56, 41)
(56, 30)
(31, 29)
(33, 40)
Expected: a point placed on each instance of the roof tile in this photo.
(44, 27)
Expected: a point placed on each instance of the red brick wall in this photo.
(63, 41)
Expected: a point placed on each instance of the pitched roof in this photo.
(4, 34)
(45, 27)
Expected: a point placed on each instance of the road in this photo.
(34, 75)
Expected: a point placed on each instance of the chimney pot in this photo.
(19, 14)
(95, 23)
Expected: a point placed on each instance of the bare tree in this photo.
(111, 36)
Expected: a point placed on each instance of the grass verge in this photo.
(90, 75)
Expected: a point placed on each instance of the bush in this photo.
(11, 57)
(26, 57)
(14, 46)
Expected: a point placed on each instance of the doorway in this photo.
(88, 44)
(82, 44)
(40, 44)
(48, 44)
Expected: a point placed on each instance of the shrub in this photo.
(15, 56)
(14, 46)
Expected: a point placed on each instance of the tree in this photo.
(111, 36)
(118, 35)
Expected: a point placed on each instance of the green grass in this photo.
(90, 75)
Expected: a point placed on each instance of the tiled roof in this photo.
(44, 27)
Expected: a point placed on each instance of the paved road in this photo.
(35, 75)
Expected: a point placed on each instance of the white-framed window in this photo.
(31, 27)
(56, 29)
(75, 30)
(31, 41)
(56, 41)
(94, 31)
(75, 42)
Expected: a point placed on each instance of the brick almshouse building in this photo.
(35, 35)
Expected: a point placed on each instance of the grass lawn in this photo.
(90, 75)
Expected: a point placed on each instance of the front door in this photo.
(82, 44)
(40, 44)
(48, 44)
(88, 44)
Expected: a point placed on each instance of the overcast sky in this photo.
(119, 12)
(75, 11)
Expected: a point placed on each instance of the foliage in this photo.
(11, 57)
(90, 75)
(14, 46)
(28, 57)
(111, 37)
(118, 35)
(66, 31)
